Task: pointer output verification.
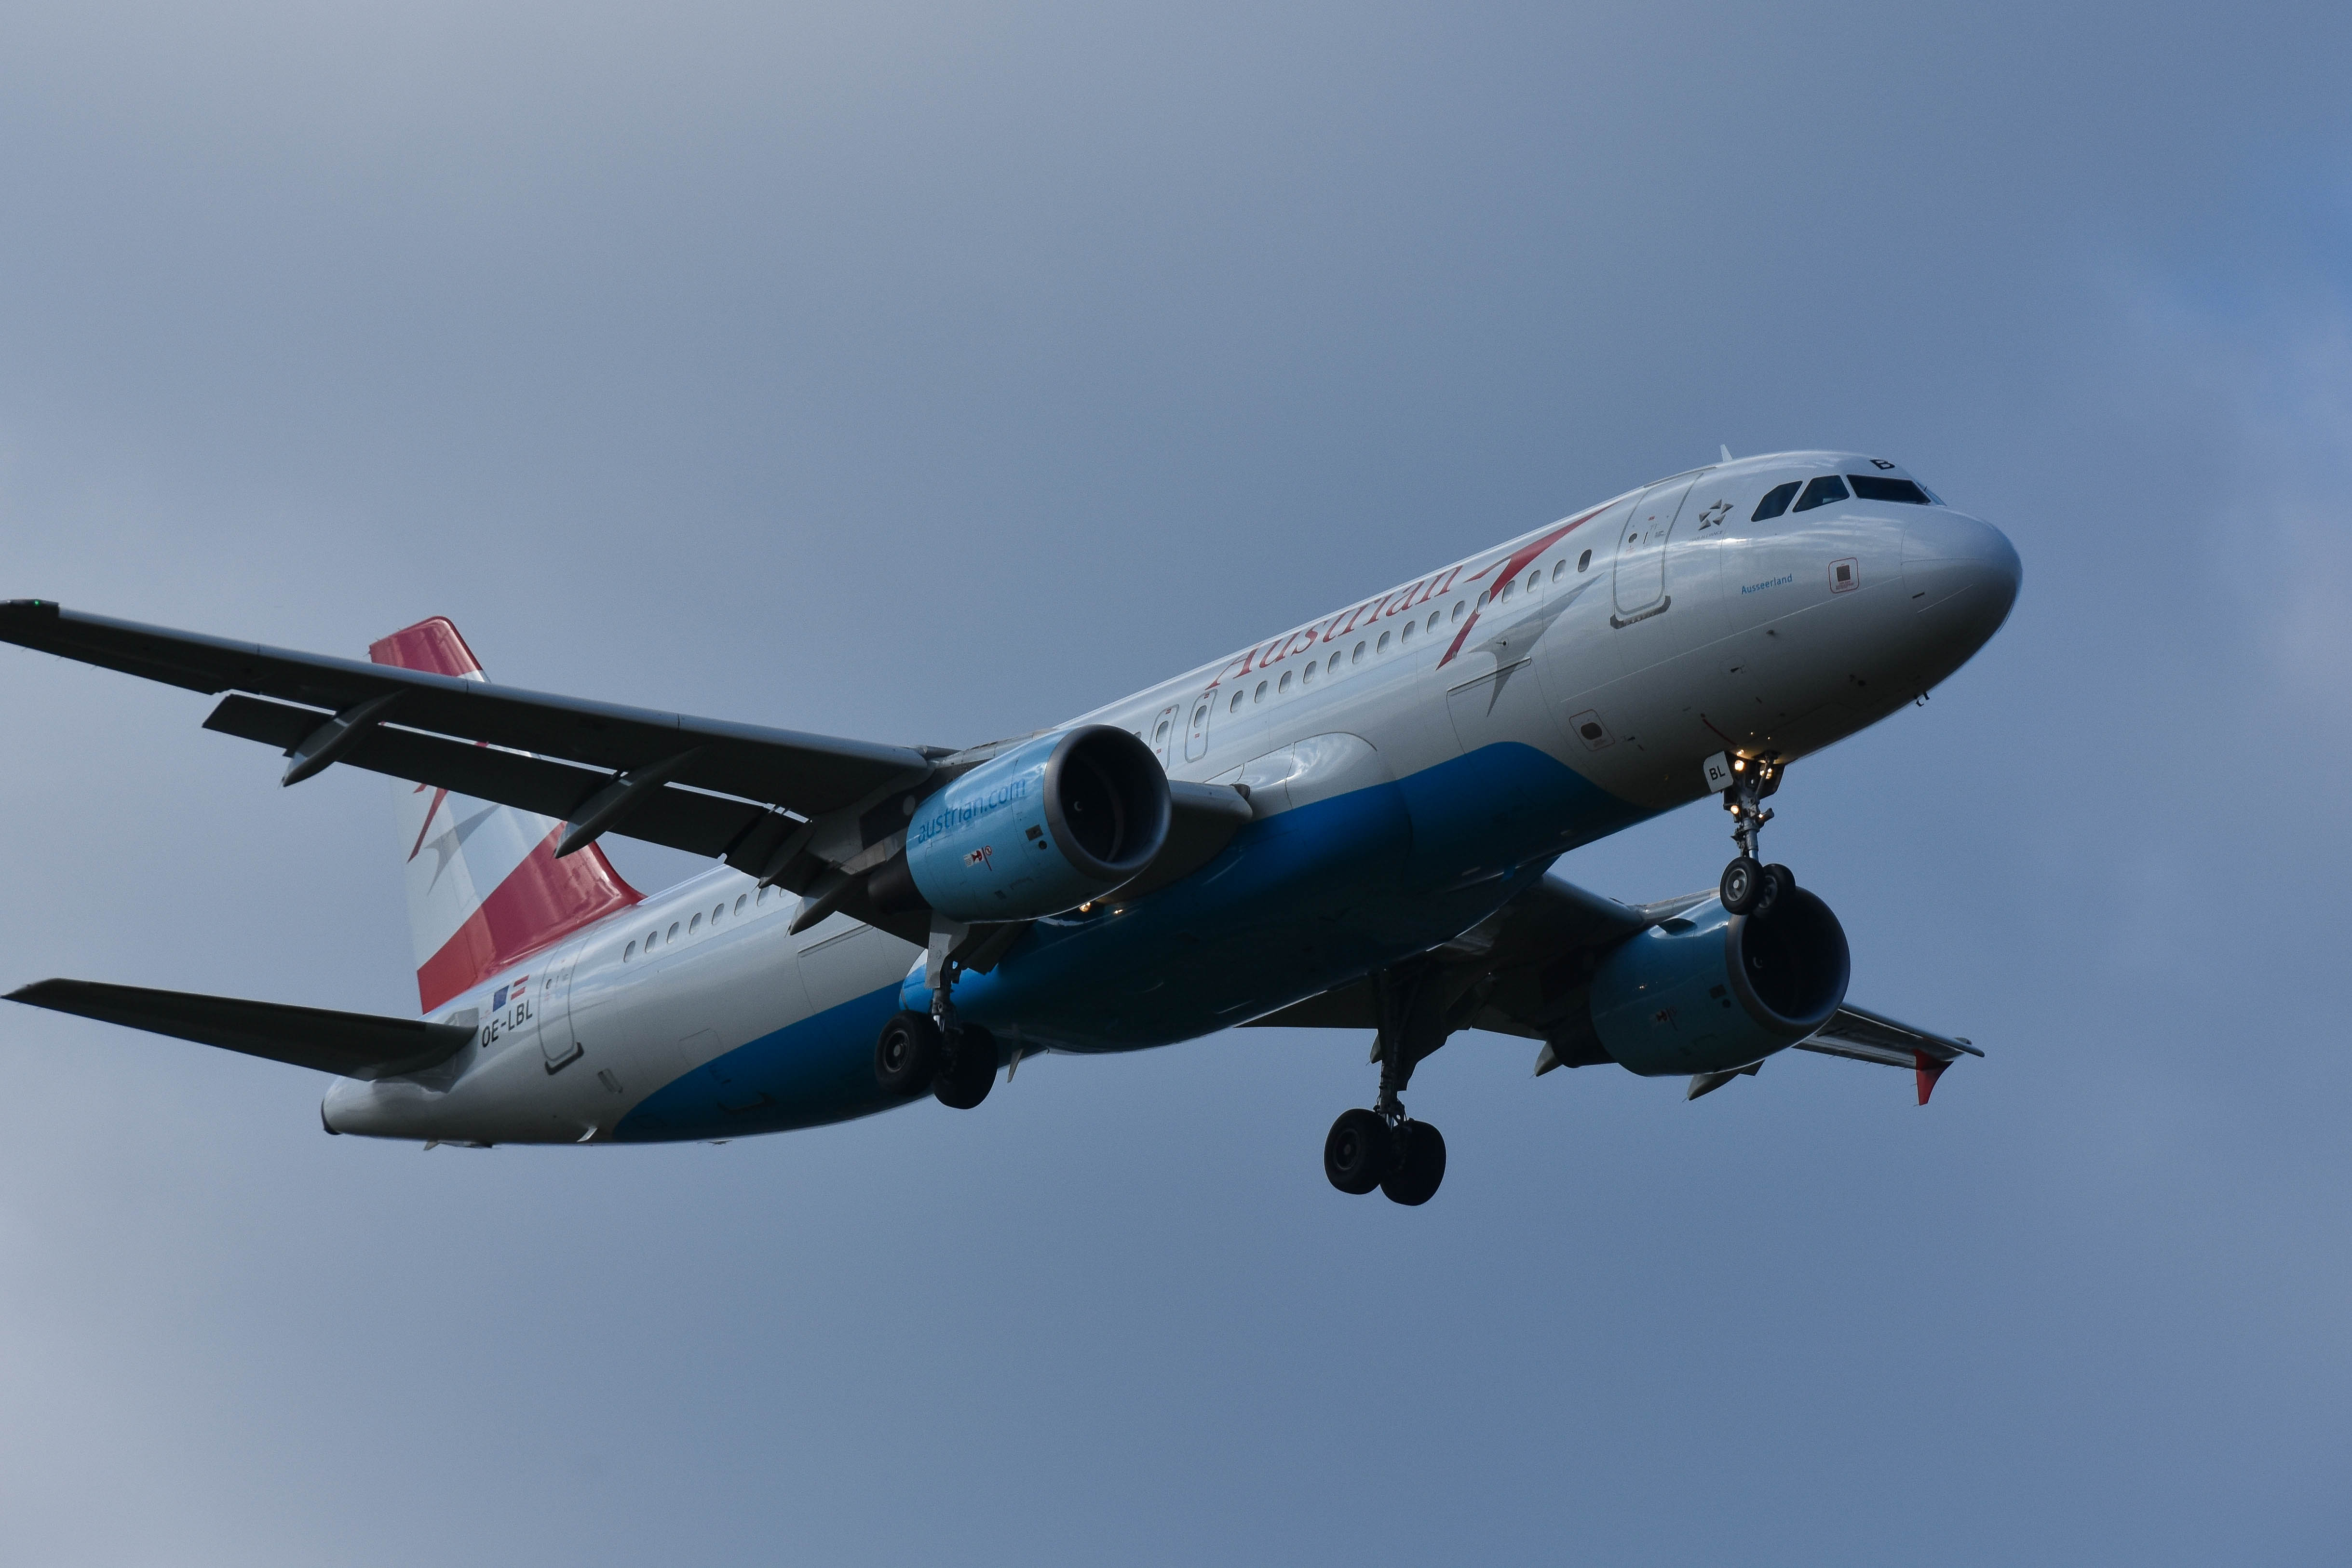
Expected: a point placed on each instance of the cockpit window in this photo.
(1776, 501)
(1822, 491)
(1877, 486)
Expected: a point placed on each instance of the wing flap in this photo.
(352, 1044)
(683, 820)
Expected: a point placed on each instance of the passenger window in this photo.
(673, 930)
(741, 900)
(1822, 491)
(1558, 567)
(1434, 617)
(1877, 486)
(1458, 607)
(1384, 644)
(1776, 501)
(1259, 696)
(1583, 560)
(1285, 682)
(1333, 666)
(628, 953)
(1482, 598)
(1509, 588)
(1357, 656)
(1307, 674)
(761, 896)
(1534, 580)
(695, 925)
(1411, 627)
(717, 912)
(1236, 705)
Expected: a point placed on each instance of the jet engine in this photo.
(1708, 991)
(1037, 830)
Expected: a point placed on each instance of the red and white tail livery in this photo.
(485, 889)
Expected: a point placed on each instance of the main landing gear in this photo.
(955, 1060)
(1748, 886)
(1382, 1147)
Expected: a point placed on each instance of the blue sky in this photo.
(928, 374)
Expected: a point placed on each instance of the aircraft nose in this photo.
(1963, 569)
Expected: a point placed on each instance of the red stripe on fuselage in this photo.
(542, 901)
(1510, 569)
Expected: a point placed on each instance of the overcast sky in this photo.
(925, 374)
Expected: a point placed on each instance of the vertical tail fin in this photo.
(485, 889)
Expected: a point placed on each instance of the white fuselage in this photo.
(1436, 740)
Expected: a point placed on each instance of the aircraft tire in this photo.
(1777, 880)
(1742, 888)
(970, 1071)
(1420, 1166)
(1358, 1151)
(907, 1054)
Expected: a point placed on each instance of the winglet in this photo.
(1929, 1070)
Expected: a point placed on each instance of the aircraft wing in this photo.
(601, 766)
(1519, 972)
(1524, 969)
(351, 1044)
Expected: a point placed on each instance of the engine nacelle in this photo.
(1707, 991)
(1038, 830)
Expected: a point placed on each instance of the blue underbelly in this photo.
(1306, 900)
(1298, 903)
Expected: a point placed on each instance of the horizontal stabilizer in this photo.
(352, 1044)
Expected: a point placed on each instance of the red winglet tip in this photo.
(1929, 1069)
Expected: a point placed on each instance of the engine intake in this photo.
(1040, 829)
(1709, 991)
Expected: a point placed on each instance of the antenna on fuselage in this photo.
(1725, 450)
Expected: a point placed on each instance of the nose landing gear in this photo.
(1382, 1147)
(1749, 887)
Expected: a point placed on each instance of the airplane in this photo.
(1350, 825)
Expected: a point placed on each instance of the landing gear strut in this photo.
(1749, 887)
(955, 1060)
(1382, 1147)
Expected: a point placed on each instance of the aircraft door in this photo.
(557, 1043)
(1196, 738)
(1639, 584)
(1163, 734)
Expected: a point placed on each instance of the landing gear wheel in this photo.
(1742, 888)
(906, 1057)
(1358, 1152)
(970, 1071)
(1420, 1167)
